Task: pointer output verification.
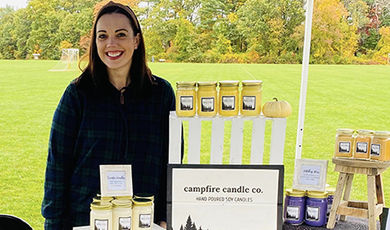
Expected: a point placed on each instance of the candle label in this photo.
(124, 223)
(312, 213)
(361, 147)
(101, 224)
(376, 149)
(186, 103)
(248, 102)
(292, 213)
(228, 102)
(145, 220)
(207, 104)
(344, 147)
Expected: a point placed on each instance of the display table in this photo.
(154, 227)
(351, 223)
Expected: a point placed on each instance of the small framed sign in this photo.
(310, 174)
(116, 180)
(225, 196)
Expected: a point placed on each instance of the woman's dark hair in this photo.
(141, 76)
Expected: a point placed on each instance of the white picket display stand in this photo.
(217, 135)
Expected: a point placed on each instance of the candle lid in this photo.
(122, 203)
(317, 194)
(207, 83)
(186, 84)
(365, 131)
(228, 83)
(144, 196)
(345, 131)
(252, 82)
(142, 202)
(101, 205)
(295, 193)
(382, 133)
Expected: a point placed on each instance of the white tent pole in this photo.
(305, 72)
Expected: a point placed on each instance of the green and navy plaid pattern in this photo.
(90, 129)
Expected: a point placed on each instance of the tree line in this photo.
(218, 31)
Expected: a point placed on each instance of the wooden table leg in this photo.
(379, 192)
(371, 202)
(336, 200)
(347, 191)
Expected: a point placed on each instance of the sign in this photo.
(220, 197)
(116, 180)
(310, 174)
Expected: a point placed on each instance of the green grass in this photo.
(338, 97)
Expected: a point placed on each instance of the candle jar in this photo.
(380, 146)
(185, 99)
(228, 98)
(146, 196)
(294, 207)
(207, 99)
(331, 192)
(344, 142)
(362, 144)
(121, 214)
(142, 214)
(101, 215)
(251, 96)
(316, 208)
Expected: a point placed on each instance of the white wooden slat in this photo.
(236, 141)
(277, 140)
(217, 134)
(257, 142)
(174, 139)
(194, 129)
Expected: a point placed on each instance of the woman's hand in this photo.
(163, 224)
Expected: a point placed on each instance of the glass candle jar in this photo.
(101, 215)
(294, 207)
(251, 96)
(121, 214)
(142, 214)
(380, 146)
(344, 142)
(207, 99)
(185, 99)
(146, 196)
(316, 208)
(362, 144)
(228, 98)
(331, 192)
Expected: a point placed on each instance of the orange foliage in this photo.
(131, 3)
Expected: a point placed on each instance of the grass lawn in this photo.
(339, 96)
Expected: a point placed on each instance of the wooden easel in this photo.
(375, 199)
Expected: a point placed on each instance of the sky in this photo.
(16, 4)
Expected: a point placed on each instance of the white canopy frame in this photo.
(304, 78)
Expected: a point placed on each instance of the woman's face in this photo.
(115, 41)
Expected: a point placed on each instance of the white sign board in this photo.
(116, 180)
(310, 174)
(221, 197)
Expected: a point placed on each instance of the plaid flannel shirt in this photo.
(93, 129)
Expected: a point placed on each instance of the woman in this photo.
(116, 112)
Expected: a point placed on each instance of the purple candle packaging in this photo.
(331, 192)
(294, 207)
(316, 208)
